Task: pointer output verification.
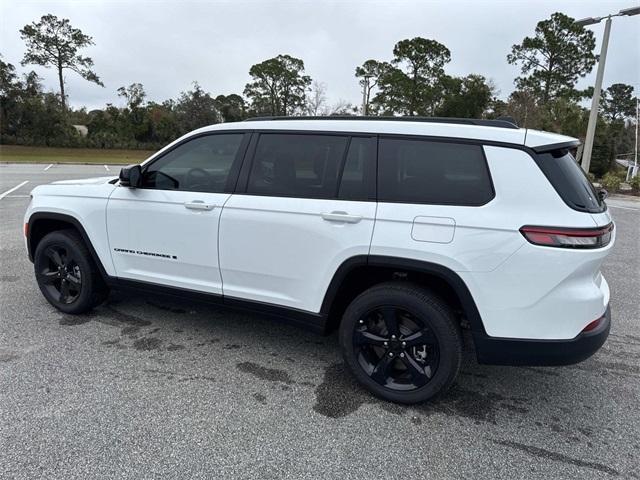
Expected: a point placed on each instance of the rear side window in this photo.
(421, 171)
(570, 181)
(292, 165)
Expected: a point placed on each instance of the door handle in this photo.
(343, 217)
(199, 205)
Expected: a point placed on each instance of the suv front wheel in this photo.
(66, 274)
(401, 342)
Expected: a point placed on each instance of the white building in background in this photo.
(82, 130)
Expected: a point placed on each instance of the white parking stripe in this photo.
(106, 168)
(48, 167)
(624, 208)
(2, 195)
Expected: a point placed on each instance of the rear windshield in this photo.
(570, 181)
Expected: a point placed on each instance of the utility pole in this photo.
(595, 101)
(634, 172)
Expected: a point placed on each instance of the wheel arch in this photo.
(368, 270)
(42, 223)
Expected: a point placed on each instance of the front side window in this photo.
(358, 175)
(199, 165)
(292, 165)
(421, 171)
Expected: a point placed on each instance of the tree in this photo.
(232, 107)
(316, 105)
(618, 102)
(195, 109)
(134, 95)
(135, 115)
(369, 74)
(413, 85)
(279, 86)
(52, 42)
(10, 88)
(552, 61)
(466, 97)
(343, 107)
(522, 106)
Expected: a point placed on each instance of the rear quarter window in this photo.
(432, 172)
(570, 181)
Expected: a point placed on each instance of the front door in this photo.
(166, 231)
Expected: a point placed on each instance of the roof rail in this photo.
(506, 122)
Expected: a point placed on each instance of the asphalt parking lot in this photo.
(149, 387)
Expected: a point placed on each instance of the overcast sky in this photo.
(166, 45)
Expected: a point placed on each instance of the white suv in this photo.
(400, 232)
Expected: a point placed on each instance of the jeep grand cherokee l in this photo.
(399, 232)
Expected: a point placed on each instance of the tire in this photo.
(66, 273)
(420, 362)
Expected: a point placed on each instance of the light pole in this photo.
(595, 101)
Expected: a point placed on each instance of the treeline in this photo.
(412, 81)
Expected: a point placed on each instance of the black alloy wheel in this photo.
(67, 274)
(60, 274)
(395, 348)
(402, 342)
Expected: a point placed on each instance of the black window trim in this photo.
(251, 135)
(242, 184)
(442, 140)
(235, 166)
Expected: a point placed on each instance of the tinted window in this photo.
(297, 165)
(420, 171)
(569, 180)
(358, 174)
(199, 165)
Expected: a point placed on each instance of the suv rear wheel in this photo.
(401, 342)
(66, 274)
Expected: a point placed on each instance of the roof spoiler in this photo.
(557, 146)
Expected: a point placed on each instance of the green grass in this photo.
(20, 154)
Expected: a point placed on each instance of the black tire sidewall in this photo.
(84, 301)
(429, 310)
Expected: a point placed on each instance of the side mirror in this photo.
(602, 194)
(130, 176)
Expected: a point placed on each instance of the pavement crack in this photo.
(556, 456)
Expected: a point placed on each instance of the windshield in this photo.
(570, 181)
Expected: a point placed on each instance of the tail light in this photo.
(568, 237)
(593, 325)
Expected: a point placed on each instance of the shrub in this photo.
(611, 182)
(635, 184)
(621, 174)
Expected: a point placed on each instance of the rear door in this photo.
(306, 204)
(435, 204)
(166, 231)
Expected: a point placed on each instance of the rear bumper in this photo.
(511, 351)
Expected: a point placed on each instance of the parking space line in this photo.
(2, 195)
(624, 208)
(48, 167)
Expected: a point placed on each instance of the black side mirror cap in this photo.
(602, 194)
(130, 176)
